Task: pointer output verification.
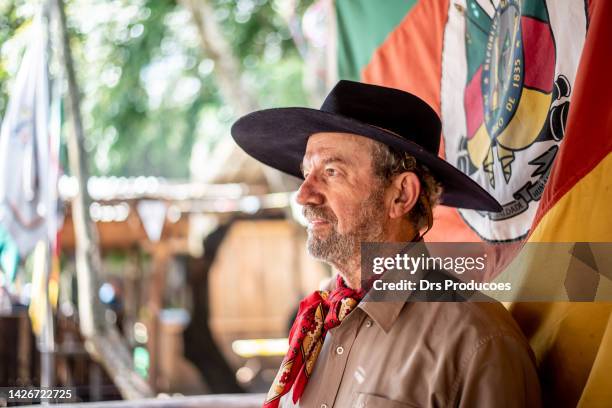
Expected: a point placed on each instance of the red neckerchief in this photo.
(318, 313)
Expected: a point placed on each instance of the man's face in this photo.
(343, 200)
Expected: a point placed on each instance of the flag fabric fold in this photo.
(29, 152)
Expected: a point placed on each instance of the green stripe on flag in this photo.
(536, 9)
(363, 26)
(477, 26)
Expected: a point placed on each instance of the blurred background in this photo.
(196, 260)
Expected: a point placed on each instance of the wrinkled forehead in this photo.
(342, 145)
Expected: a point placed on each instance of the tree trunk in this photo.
(227, 68)
(102, 341)
(229, 80)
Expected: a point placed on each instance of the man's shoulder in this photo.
(462, 322)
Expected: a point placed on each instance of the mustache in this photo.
(324, 213)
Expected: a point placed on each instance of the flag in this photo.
(9, 258)
(29, 171)
(521, 88)
(500, 74)
(575, 208)
(29, 152)
(39, 310)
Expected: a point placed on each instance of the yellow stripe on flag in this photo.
(38, 304)
(597, 388)
(583, 214)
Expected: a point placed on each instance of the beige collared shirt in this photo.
(424, 354)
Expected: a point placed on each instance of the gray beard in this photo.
(343, 251)
(336, 249)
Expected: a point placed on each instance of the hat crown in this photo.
(393, 110)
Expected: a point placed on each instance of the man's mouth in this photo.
(318, 222)
(318, 218)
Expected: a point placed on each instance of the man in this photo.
(371, 173)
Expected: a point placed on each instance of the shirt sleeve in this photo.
(500, 373)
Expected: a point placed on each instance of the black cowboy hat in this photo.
(402, 121)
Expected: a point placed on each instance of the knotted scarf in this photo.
(317, 314)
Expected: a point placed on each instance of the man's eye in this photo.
(329, 171)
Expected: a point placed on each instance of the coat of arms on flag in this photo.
(506, 89)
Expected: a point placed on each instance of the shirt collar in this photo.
(383, 313)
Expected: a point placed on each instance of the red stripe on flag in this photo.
(539, 53)
(473, 103)
(588, 138)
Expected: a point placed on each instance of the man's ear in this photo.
(404, 190)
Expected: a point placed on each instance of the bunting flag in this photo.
(29, 163)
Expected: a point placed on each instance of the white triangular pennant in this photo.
(153, 216)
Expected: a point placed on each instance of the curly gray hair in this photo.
(388, 163)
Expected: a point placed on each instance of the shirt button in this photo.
(368, 323)
(340, 350)
(323, 405)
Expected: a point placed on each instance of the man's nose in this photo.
(308, 193)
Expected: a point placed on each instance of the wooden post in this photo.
(132, 279)
(24, 349)
(157, 286)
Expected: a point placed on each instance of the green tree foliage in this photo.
(10, 23)
(149, 90)
(156, 93)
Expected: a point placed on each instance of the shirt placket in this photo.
(341, 340)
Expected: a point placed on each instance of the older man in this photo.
(371, 173)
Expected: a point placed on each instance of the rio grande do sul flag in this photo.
(501, 76)
(572, 341)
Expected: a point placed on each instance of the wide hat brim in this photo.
(278, 137)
